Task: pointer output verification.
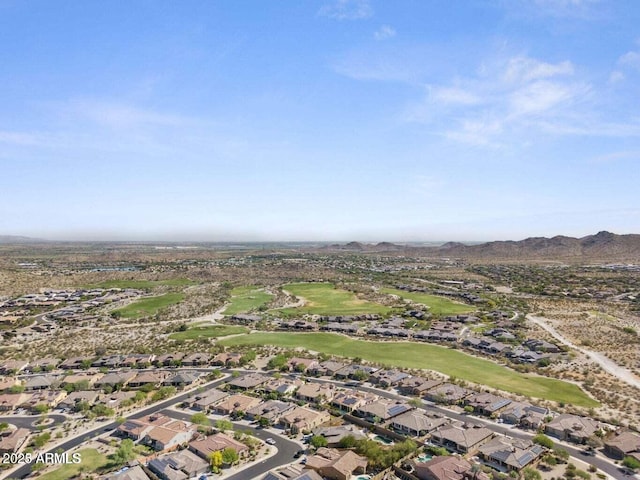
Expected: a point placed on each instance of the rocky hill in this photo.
(603, 246)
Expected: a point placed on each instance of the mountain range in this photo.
(603, 246)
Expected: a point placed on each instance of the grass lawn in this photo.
(92, 460)
(212, 331)
(425, 356)
(143, 284)
(244, 299)
(437, 305)
(326, 299)
(149, 306)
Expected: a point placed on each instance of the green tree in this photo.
(82, 406)
(318, 441)
(163, 393)
(348, 441)
(631, 462)
(542, 439)
(124, 453)
(277, 362)
(247, 358)
(264, 422)
(41, 408)
(531, 474)
(82, 385)
(101, 410)
(140, 396)
(224, 425)
(41, 439)
(229, 456)
(561, 454)
(147, 388)
(200, 419)
(360, 375)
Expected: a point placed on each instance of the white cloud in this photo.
(523, 69)
(630, 59)
(121, 115)
(382, 68)
(478, 132)
(505, 101)
(347, 10)
(616, 76)
(539, 97)
(454, 96)
(384, 32)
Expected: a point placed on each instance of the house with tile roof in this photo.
(447, 468)
(623, 444)
(465, 438)
(337, 464)
(303, 419)
(510, 454)
(572, 428)
(204, 447)
(418, 423)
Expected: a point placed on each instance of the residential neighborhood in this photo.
(391, 407)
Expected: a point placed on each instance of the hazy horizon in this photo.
(230, 240)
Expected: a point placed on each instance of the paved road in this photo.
(505, 429)
(286, 448)
(79, 439)
(30, 421)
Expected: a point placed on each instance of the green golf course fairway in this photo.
(326, 299)
(437, 305)
(150, 306)
(424, 356)
(244, 299)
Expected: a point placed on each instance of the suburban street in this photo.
(504, 429)
(24, 470)
(30, 421)
(287, 448)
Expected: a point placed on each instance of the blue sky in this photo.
(319, 120)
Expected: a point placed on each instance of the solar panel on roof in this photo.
(501, 403)
(397, 410)
(526, 458)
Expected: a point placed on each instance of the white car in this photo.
(270, 441)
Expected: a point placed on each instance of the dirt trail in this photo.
(211, 317)
(606, 363)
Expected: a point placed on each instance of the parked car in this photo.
(298, 454)
(270, 441)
